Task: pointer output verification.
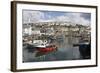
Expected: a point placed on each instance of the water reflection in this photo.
(65, 51)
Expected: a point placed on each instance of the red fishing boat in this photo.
(45, 47)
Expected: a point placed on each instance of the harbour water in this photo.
(65, 51)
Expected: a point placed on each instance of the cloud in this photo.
(50, 16)
(86, 16)
(32, 16)
(74, 18)
(78, 18)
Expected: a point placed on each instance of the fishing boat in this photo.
(44, 46)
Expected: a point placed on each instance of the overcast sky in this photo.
(31, 16)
